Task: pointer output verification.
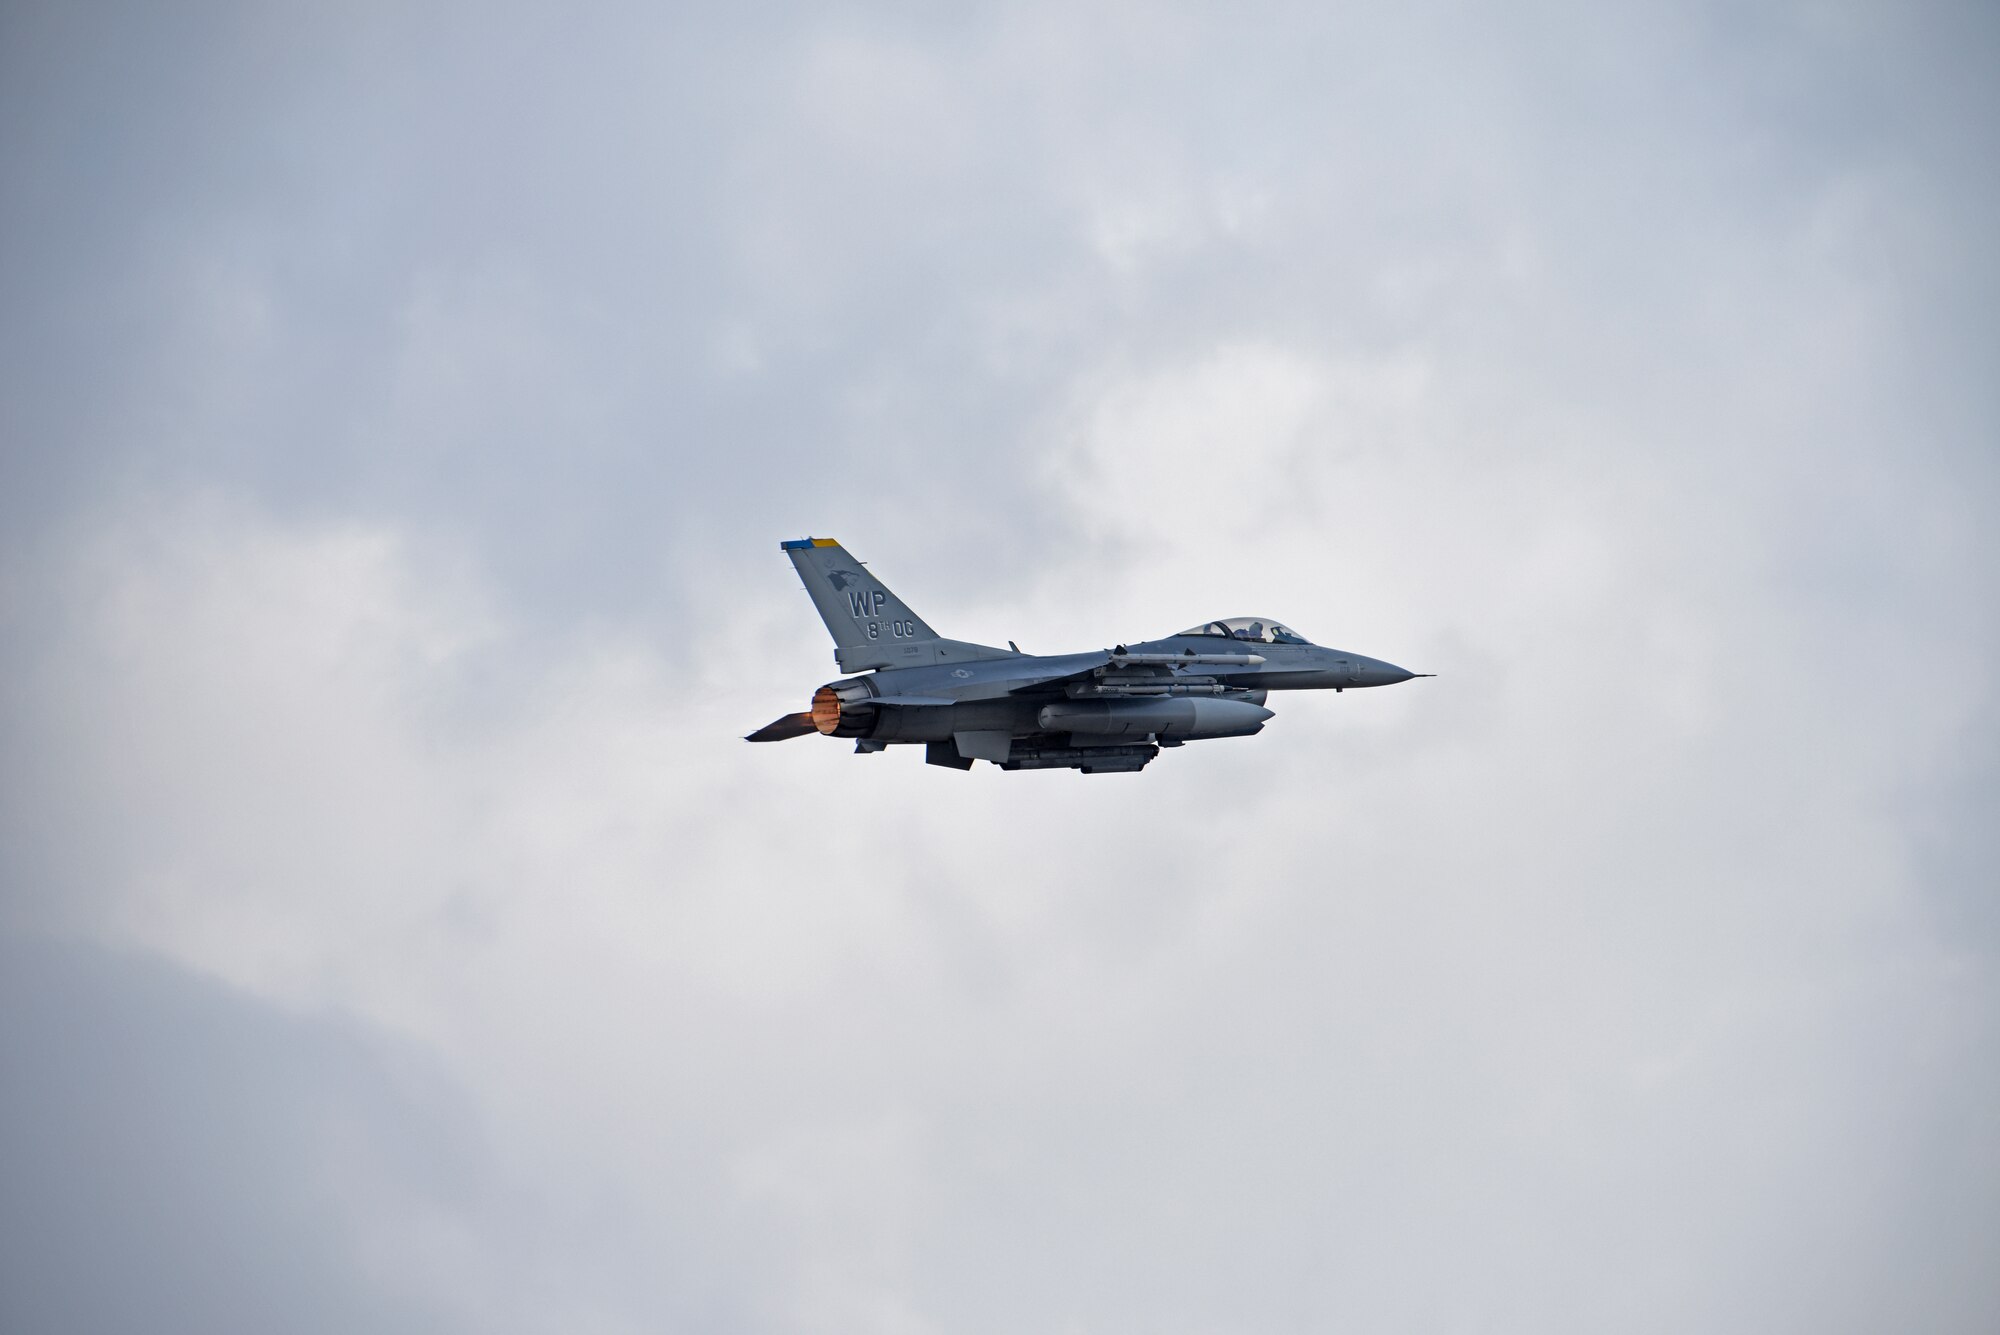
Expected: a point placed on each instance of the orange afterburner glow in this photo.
(826, 710)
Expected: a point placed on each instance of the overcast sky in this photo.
(400, 407)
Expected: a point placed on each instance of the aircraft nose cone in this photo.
(1378, 673)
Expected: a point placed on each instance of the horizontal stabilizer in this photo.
(908, 701)
(778, 730)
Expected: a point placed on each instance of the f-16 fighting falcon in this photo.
(1106, 712)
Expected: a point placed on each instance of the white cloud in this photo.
(752, 985)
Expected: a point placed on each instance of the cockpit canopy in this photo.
(1257, 630)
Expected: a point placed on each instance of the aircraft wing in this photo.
(1140, 673)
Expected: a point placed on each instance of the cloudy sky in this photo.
(401, 405)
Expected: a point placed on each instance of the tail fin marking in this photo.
(871, 627)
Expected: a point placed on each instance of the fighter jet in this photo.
(1105, 712)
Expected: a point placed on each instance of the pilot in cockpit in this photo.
(1250, 630)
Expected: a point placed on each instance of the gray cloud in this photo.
(178, 1156)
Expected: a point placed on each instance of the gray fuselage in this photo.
(1008, 693)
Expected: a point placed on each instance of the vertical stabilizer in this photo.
(871, 627)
